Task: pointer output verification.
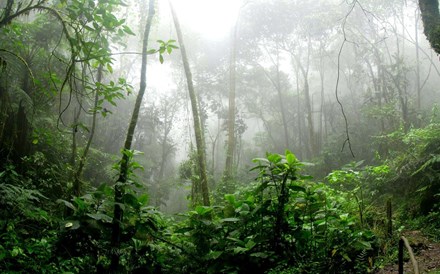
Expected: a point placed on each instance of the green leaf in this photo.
(66, 203)
(297, 188)
(250, 244)
(230, 198)
(143, 199)
(100, 217)
(274, 158)
(203, 210)
(291, 159)
(161, 59)
(214, 254)
(257, 160)
(240, 249)
(131, 200)
(109, 68)
(128, 30)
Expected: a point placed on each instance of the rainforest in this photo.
(209, 136)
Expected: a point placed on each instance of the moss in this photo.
(431, 22)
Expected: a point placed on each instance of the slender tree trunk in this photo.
(277, 84)
(283, 110)
(321, 112)
(123, 172)
(308, 103)
(202, 186)
(298, 115)
(72, 161)
(418, 87)
(229, 166)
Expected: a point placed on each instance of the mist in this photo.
(185, 126)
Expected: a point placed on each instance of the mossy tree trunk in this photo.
(431, 22)
(123, 172)
(200, 187)
(229, 166)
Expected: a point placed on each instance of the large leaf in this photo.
(66, 203)
(100, 217)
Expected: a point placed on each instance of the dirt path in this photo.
(426, 252)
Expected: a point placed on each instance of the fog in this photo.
(294, 60)
(324, 79)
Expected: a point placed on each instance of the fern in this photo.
(434, 159)
(20, 200)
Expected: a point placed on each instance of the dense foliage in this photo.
(86, 189)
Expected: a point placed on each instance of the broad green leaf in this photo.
(230, 198)
(100, 216)
(214, 254)
(297, 188)
(250, 244)
(290, 158)
(274, 158)
(203, 210)
(240, 249)
(66, 203)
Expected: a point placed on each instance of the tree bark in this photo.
(431, 22)
(202, 186)
(123, 172)
(228, 174)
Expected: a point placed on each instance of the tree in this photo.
(124, 164)
(200, 187)
(229, 166)
(431, 22)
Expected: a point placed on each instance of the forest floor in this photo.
(427, 255)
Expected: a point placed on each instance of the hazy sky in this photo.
(211, 18)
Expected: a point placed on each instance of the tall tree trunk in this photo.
(298, 116)
(431, 22)
(123, 172)
(416, 38)
(321, 112)
(281, 99)
(72, 161)
(202, 186)
(277, 84)
(229, 166)
(312, 138)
